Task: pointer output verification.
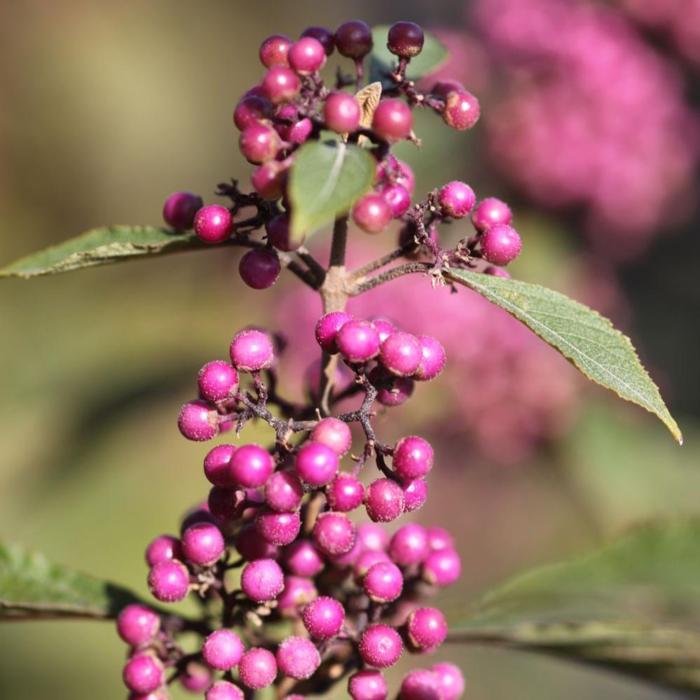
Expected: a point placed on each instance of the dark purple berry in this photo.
(353, 39)
(277, 230)
(180, 209)
(259, 268)
(325, 36)
(405, 39)
(250, 110)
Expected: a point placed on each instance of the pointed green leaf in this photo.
(101, 246)
(31, 587)
(587, 339)
(327, 178)
(632, 606)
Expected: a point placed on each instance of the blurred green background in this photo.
(108, 107)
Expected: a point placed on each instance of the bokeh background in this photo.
(590, 129)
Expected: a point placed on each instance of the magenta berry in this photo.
(217, 380)
(413, 457)
(420, 684)
(223, 690)
(497, 272)
(278, 234)
(251, 545)
(394, 171)
(325, 36)
(342, 112)
(442, 88)
(163, 548)
(180, 208)
(333, 433)
(380, 646)
(302, 558)
(252, 350)
(384, 327)
(323, 617)
(251, 466)
(138, 625)
(384, 500)
(250, 110)
(489, 212)
(354, 39)
(198, 421)
(433, 358)
(334, 533)
(298, 658)
(274, 51)
(405, 39)
(383, 582)
(415, 494)
(269, 179)
(213, 224)
(259, 268)
(143, 673)
(426, 629)
(393, 120)
(345, 493)
(327, 329)
(368, 685)
(456, 199)
(202, 544)
(316, 463)
(401, 354)
(501, 244)
(398, 198)
(439, 538)
(461, 110)
(306, 56)
(217, 465)
(262, 580)
(298, 591)
(259, 142)
(366, 560)
(278, 528)
(222, 650)
(372, 213)
(257, 669)
(283, 492)
(195, 677)
(358, 341)
(373, 537)
(281, 84)
(450, 680)
(442, 567)
(409, 545)
(392, 390)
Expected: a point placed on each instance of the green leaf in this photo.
(31, 587)
(632, 606)
(101, 246)
(587, 339)
(326, 180)
(383, 62)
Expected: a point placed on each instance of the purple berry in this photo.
(426, 628)
(277, 230)
(180, 208)
(325, 36)
(301, 558)
(401, 354)
(250, 110)
(461, 110)
(293, 129)
(384, 327)
(334, 533)
(316, 463)
(366, 560)
(257, 668)
(409, 545)
(262, 580)
(223, 690)
(298, 591)
(489, 212)
(333, 433)
(251, 466)
(392, 120)
(345, 493)
(358, 341)
(353, 39)
(391, 390)
(283, 492)
(380, 646)
(373, 537)
(501, 244)
(198, 421)
(306, 56)
(279, 529)
(405, 39)
(342, 112)
(398, 199)
(163, 548)
(195, 677)
(259, 268)
(413, 458)
(397, 172)
(143, 673)
(444, 87)
(274, 50)
(269, 180)
(433, 358)
(497, 272)
(197, 514)
(323, 617)
(442, 567)
(281, 84)
(456, 199)
(450, 680)
(217, 465)
(384, 500)
(298, 658)
(368, 685)
(439, 538)
(222, 650)
(327, 328)
(217, 380)
(383, 582)
(203, 544)
(259, 142)
(420, 684)
(251, 350)
(372, 213)
(226, 505)
(343, 561)
(138, 625)
(251, 545)
(213, 224)
(415, 494)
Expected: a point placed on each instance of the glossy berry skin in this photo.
(384, 327)
(401, 354)
(392, 390)
(259, 143)
(316, 464)
(353, 39)
(251, 545)
(202, 544)
(269, 180)
(489, 212)
(325, 36)
(298, 658)
(213, 224)
(163, 548)
(283, 492)
(420, 684)
(298, 130)
(251, 350)
(442, 567)
(345, 493)
(281, 85)
(327, 328)
(250, 110)
(433, 359)
(358, 341)
(366, 560)
(333, 433)
(197, 421)
(274, 51)
(251, 466)
(415, 494)
(222, 650)
(384, 500)
(405, 39)
(323, 617)
(380, 646)
(439, 538)
(217, 465)
(461, 110)
(456, 199)
(413, 458)
(279, 529)
(259, 268)
(223, 690)
(392, 120)
(217, 380)
(143, 673)
(373, 537)
(257, 669)
(426, 629)
(277, 230)
(138, 625)
(342, 112)
(262, 580)
(368, 685)
(409, 545)
(398, 198)
(450, 680)
(334, 533)
(372, 213)
(302, 558)
(180, 209)
(383, 582)
(501, 244)
(306, 56)
(298, 591)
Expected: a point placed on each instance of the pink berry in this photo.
(180, 208)
(203, 544)
(358, 341)
(323, 617)
(439, 538)
(269, 179)
(380, 646)
(398, 199)
(401, 354)
(427, 629)
(461, 110)
(345, 493)
(391, 390)
(250, 110)
(281, 84)
(274, 50)
(262, 580)
(222, 650)
(372, 213)
(259, 143)
(306, 56)
(450, 680)
(409, 545)
(195, 677)
(456, 199)
(415, 494)
(384, 328)
(334, 533)
(333, 433)
(279, 529)
(368, 685)
(489, 212)
(217, 380)
(223, 690)
(327, 329)
(316, 463)
(420, 684)
(138, 625)
(366, 560)
(259, 268)
(217, 465)
(301, 558)
(373, 537)
(405, 39)
(257, 669)
(396, 172)
(198, 514)
(251, 466)
(143, 673)
(298, 591)
(162, 548)
(213, 224)
(383, 582)
(433, 358)
(252, 350)
(251, 545)
(384, 500)
(343, 561)
(198, 421)
(353, 39)
(277, 230)
(325, 36)
(342, 112)
(413, 458)
(501, 244)
(283, 492)
(392, 120)
(297, 130)
(442, 567)
(298, 658)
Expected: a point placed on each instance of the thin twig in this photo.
(389, 275)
